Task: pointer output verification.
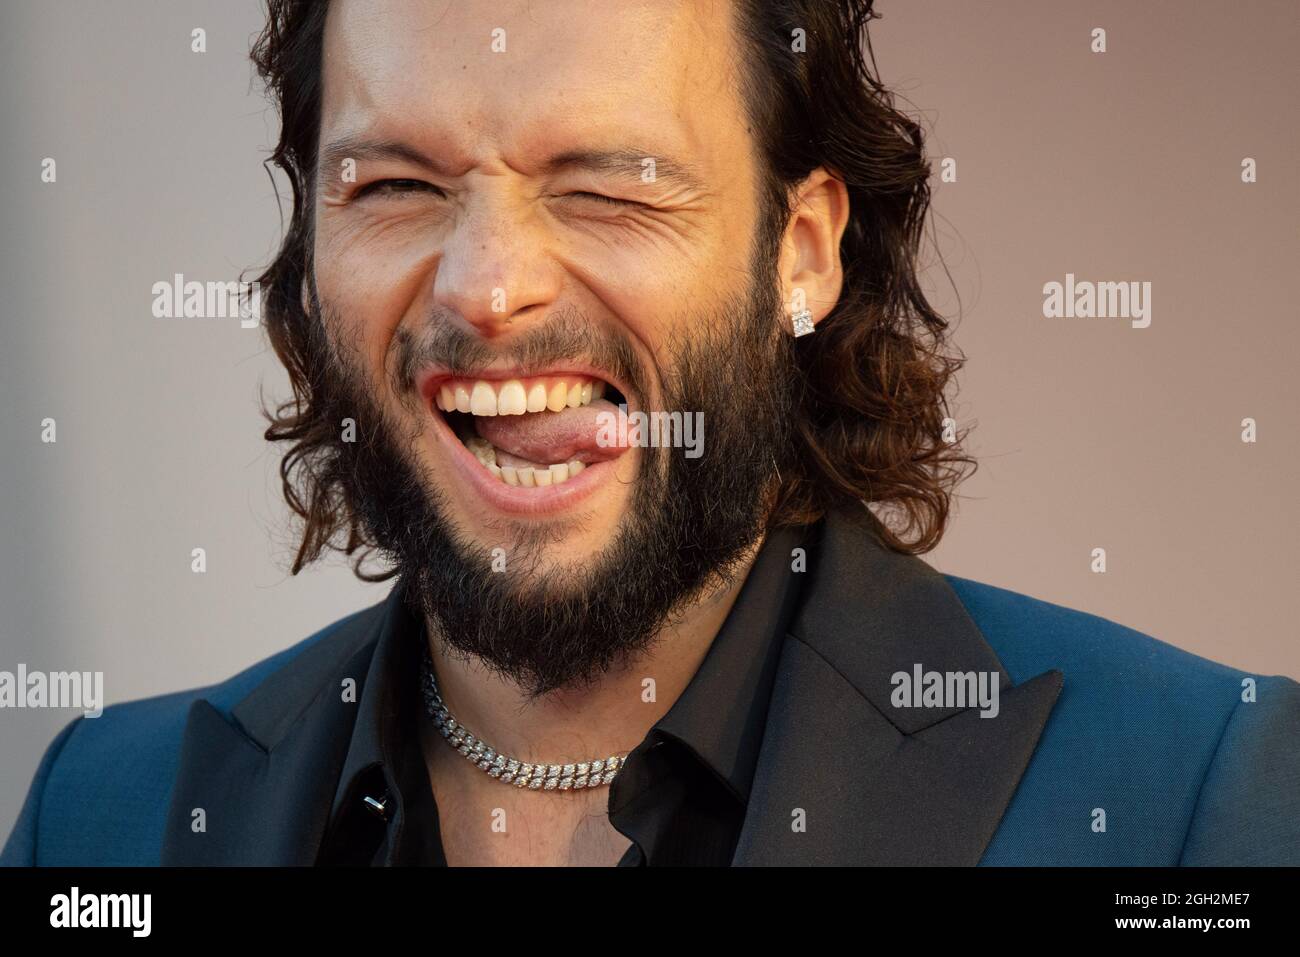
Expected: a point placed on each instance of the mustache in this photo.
(566, 335)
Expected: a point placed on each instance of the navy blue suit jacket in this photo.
(1109, 748)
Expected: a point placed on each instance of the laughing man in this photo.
(516, 228)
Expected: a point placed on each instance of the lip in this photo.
(535, 502)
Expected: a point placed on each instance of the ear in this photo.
(810, 270)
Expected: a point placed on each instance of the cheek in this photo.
(663, 290)
(369, 290)
(665, 310)
(650, 298)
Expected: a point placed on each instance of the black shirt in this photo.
(682, 792)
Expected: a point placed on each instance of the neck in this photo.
(609, 717)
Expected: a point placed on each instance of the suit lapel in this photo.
(265, 774)
(844, 777)
(872, 784)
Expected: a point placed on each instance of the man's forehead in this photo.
(529, 73)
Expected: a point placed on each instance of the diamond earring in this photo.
(803, 323)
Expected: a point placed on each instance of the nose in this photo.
(495, 268)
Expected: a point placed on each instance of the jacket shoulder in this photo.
(1144, 741)
(1030, 636)
(102, 789)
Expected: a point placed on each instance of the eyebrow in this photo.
(625, 163)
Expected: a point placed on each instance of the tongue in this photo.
(551, 437)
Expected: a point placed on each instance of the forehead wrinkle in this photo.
(596, 75)
(669, 93)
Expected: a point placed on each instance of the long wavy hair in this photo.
(873, 426)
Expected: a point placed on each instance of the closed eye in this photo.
(608, 200)
(393, 187)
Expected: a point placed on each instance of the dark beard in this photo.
(688, 525)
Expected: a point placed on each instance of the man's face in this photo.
(518, 206)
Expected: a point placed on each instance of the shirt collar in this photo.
(385, 700)
(721, 714)
(719, 717)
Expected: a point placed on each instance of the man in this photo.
(545, 303)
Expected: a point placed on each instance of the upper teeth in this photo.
(517, 396)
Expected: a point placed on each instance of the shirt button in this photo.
(380, 806)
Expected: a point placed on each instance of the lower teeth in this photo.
(530, 476)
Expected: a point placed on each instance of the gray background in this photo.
(1120, 166)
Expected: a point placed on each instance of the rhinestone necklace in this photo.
(535, 777)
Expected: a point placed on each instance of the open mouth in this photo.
(531, 432)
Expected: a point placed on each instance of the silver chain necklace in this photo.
(535, 777)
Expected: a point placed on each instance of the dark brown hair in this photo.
(873, 404)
